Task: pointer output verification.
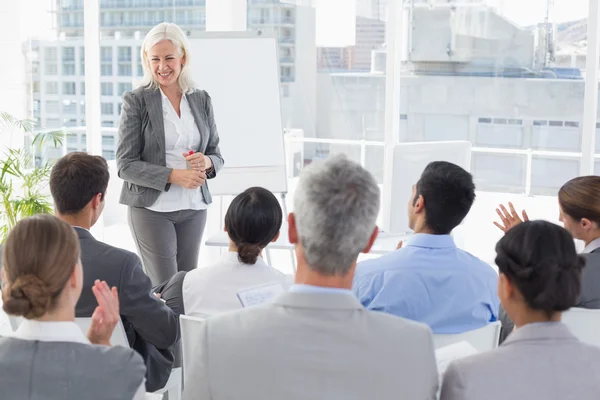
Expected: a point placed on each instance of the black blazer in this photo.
(151, 327)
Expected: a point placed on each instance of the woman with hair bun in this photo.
(579, 208)
(540, 277)
(252, 221)
(48, 356)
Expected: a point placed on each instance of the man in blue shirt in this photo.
(430, 280)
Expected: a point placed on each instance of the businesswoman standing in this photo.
(168, 147)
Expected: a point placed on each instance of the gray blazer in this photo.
(311, 346)
(536, 362)
(141, 159)
(151, 327)
(588, 298)
(34, 370)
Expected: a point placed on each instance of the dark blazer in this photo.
(141, 159)
(31, 369)
(151, 327)
(589, 297)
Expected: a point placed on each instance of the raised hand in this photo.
(106, 315)
(509, 219)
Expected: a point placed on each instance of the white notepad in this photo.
(256, 295)
(445, 355)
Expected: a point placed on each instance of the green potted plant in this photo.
(23, 176)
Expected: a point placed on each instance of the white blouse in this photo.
(214, 290)
(181, 136)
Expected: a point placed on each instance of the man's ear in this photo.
(419, 204)
(292, 232)
(372, 239)
(96, 201)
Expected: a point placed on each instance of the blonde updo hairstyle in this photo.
(38, 258)
(173, 33)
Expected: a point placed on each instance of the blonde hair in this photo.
(173, 33)
(38, 258)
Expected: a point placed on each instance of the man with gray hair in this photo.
(317, 341)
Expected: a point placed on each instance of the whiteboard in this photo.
(409, 161)
(240, 72)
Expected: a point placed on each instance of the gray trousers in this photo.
(168, 242)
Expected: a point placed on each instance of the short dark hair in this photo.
(75, 179)
(449, 193)
(252, 221)
(540, 259)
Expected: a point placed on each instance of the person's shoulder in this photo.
(116, 358)
(115, 253)
(392, 261)
(396, 323)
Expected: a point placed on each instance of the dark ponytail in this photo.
(540, 259)
(252, 221)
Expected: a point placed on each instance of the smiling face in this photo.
(165, 61)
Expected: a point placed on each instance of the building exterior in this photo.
(58, 65)
(370, 35)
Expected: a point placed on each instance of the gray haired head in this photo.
(335, 208)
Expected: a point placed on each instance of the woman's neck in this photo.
(595, 234)
(172, 91)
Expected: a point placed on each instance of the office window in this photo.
(106, 88)
(108, 124)
(51, 87)
(69, 88)
(124, 54)
(52, 107)
(124, 87)
(106, 54)
(69, 107)
(72, 140)
(82, 61)
(52, 123)
(106, 108)
(69, 122)
(119, 105)
(82, 88)
(68, 54)
(106, 70)
(108, 154)
(50, 54)
(51, 68)
(108, 140)
(125, 69)
(68, 69)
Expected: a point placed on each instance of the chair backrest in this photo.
(584, 323)
(118, 338)
(482, 339)
(191, 330)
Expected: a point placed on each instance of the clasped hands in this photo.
(196, 176)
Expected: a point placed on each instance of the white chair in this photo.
(191, 330)
(482, 339)
(584, 323)
(119, 338)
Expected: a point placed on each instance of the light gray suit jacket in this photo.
(311, 346)
(34, 370)
(536, 362)
(141, 157)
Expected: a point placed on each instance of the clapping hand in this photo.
(106, 315)
(509, 219)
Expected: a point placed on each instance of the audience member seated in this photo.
(430, 280)
(48, 357)
(78, 183)
(579, 204)
(252, 221)
(316, 341)
(540, 277)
